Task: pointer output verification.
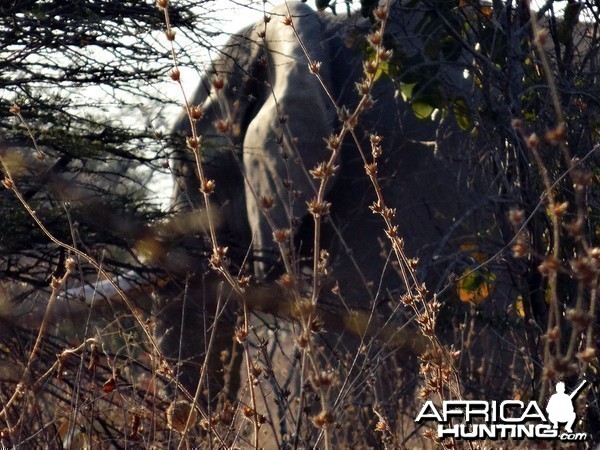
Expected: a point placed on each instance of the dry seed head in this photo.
(196, 112)
(375, 38)
(248, 412)
(208, 186)
(286, 280)
(322, 380)
(162, 4)
(376, 207)
(323, 420)
(428, 330)
(424, 393)
(548, 266)
(244, 281)
(218, 82)
(519, 248)
(262, 34)
(344, 114)
(389, 213)
(392, 231)
(557, 135)
(8, 183)
(222, 126)
(70, 264)
(218, 261)
(381, 426)
(227, 415)
(580, 104)
(371, 169)
(303, 340)
(287, 20)
(175, 74)
(370, 67)
(241, 335)
(579, 318)
(281, 235)
(323, 170)
(380, 13)
(561, 209)
(266, 18)
(333, 142)
(585, 269)
(428, 434)
(256, 370)
(363, 87)
(177, 415)
(553, 334)
(407, 299)
(314, 67)
(266, 202)
(317, 208)
(384, 55)
(55, 283)
(15, 109)
(193, 143)
(224, 356)
(587, 355)
(516, 216)
(517, 124)
(304, 309)
(532, 141)
(170, 34)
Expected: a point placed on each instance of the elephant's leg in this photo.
(278, 153)
(189, 337)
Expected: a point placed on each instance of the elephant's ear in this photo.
(286, 137)
(231, 91)
(239, 68)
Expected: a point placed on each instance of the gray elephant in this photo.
(265, 121)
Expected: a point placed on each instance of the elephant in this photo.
(263, 120)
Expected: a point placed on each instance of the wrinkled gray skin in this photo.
(439, 202)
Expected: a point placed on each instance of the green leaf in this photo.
(386, 68)
(461, 113)
(421, 109)
(407, 91)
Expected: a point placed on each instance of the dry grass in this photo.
(298, 367)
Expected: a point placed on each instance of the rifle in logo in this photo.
(577, 389)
